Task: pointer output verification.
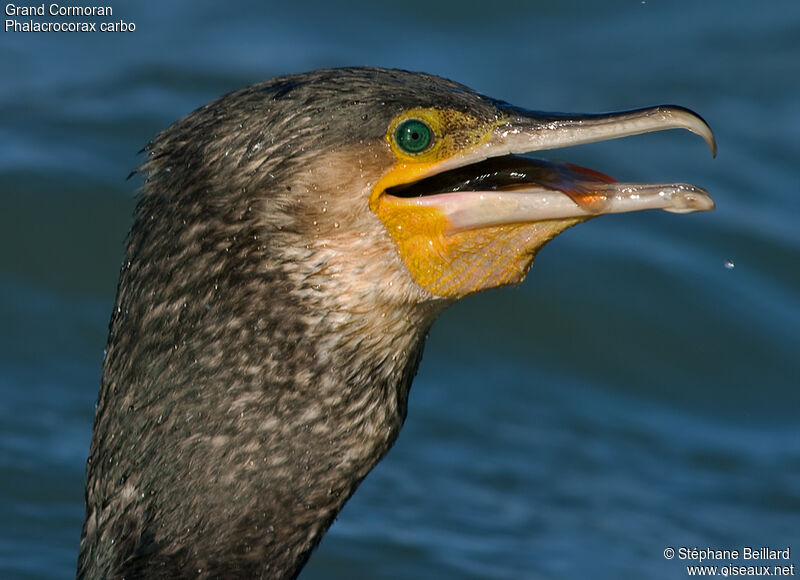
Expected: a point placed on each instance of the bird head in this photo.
(410, 183)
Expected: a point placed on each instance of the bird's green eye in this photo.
(413, 136)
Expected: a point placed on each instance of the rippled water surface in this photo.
(640, 390)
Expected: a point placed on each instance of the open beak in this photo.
(491, 185)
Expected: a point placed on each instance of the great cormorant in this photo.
(292, 245)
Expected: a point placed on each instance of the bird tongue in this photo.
(581, 184)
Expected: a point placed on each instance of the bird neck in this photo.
(237, 413)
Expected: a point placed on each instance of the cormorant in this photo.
(292, 245)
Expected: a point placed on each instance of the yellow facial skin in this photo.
(453, 264)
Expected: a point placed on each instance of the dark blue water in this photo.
(633, 394)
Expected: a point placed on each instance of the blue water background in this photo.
(633, 394)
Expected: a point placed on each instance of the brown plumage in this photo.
(269, 320)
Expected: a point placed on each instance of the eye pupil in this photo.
(413, 136)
